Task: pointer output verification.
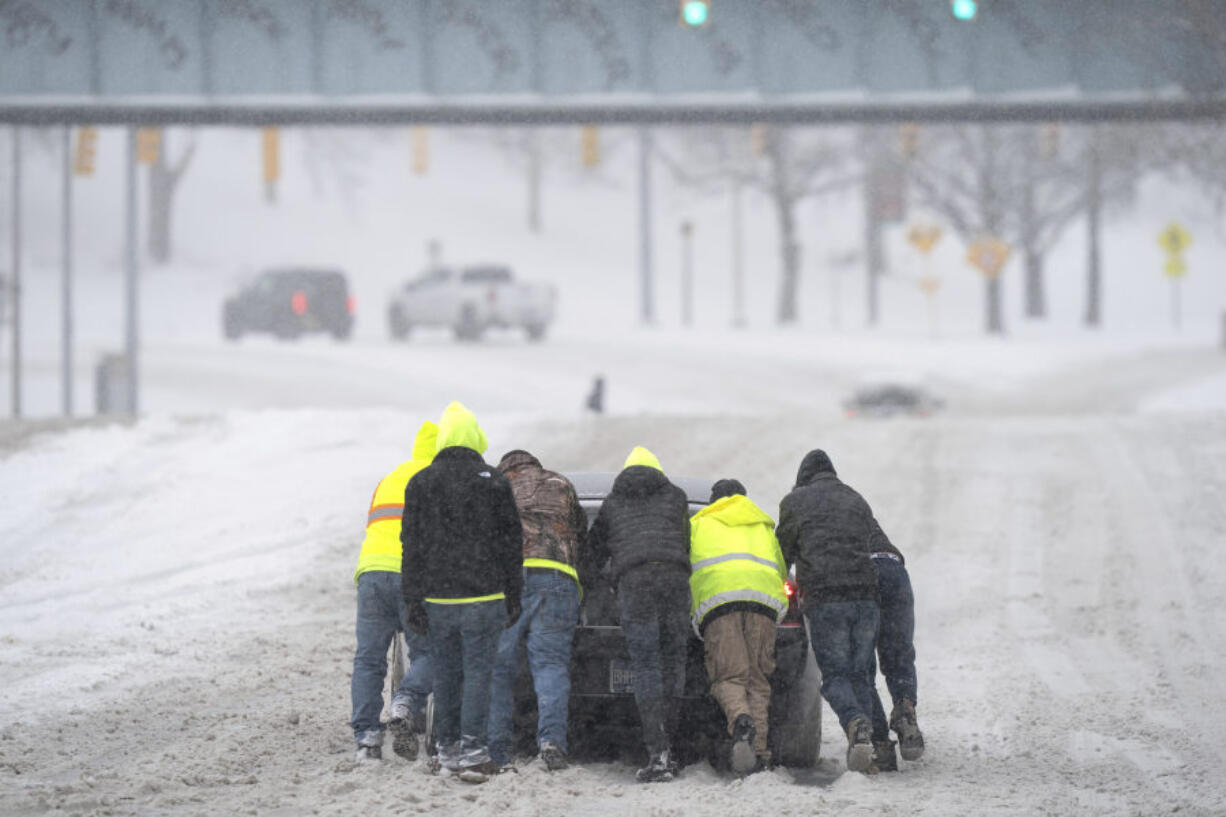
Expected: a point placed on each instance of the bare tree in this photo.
(164, 178)
(785, 165)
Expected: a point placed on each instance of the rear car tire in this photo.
(800, 743)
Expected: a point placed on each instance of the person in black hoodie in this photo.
(826, 528)
(643, 531)
(461, 575)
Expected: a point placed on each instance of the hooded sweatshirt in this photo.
(381, 547)
(645, 520)
(553, 521)
(735, 562)
(461, 536)
(826, 528)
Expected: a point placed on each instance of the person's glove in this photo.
(514, 608)
(419, 622)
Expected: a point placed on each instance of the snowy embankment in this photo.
(176, 605)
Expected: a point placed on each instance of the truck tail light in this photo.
(298, 303)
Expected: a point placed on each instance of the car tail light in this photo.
(298, 303)
(849, 413)
(351, 304)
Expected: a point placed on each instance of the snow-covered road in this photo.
(176, 605)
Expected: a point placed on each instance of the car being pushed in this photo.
(603, 722)
(289, 302)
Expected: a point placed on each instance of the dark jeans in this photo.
(844, 635)
(463, 643)
(895, 641)
(547, 628)
(654, 601)
(381, 612)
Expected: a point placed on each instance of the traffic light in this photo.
(695, 13)
(271, 144)
(87, 151)
(421, 150)
(148, 145)
(964, 9)
(1049, 140)
(908, 140)
(589, 139)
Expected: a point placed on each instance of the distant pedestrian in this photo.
(826, 528)
(737, 589)
(595, 398)
(381, 613)
(896, 651)
(643, 531)
(462, 578)
(554, 530)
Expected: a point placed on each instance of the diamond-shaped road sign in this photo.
(1174, 238)
(988, 255)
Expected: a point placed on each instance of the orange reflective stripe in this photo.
(382, 513)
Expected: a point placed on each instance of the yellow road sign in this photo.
(87, 151)
(1174, 238)
(924, 236)
(989, 255)
(148, 145)
(1175, 267)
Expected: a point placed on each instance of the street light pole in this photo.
(687, 273)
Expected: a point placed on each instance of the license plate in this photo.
(621, 677)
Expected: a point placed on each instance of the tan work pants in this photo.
(740, 656)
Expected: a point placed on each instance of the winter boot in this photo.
(554, 757)
(910, 739)
(366, 753)
(657, 771)
(742, 757)
(859, 744)
(884, 759)
(404, 740)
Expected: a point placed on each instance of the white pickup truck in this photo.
(470, 300)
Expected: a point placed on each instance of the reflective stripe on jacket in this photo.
(734, 557)
(381, 547)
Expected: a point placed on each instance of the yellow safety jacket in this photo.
(381, 547)
(734, 557)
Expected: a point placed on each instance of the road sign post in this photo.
(1174, 239)
(924, 238)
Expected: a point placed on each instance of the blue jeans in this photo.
(655, 618)
(547, 626)
(463, 643)
(895, 642)
(381, 613)
(844, 636)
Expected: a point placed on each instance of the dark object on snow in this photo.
(891, 400)
(726, 487)
(595, 398)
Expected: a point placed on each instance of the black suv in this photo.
(603, 722)
(288, 302)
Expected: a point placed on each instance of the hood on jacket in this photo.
(459, 427)
(726, 487)
(815, 462)
(639, 480)
(735, 510)
(641, 456)
(425, 441)
(517, 459)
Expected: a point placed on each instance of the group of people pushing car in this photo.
(476, 562)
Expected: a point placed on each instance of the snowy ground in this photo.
(176, 610)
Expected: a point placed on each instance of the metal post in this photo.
(66, 284)
(646, 302)
(131, 270)
(687, 273)
(738, 257)
(1176, 307)
(15, 289)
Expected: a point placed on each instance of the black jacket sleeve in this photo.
(410, 548)
(787, 531)
(596, 550)
(512, 545)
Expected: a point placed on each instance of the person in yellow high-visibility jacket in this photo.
(737, 576)
(382, 611)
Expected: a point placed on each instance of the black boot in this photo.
(884, 759)
(743, 758)
(658, 770)
(910, 739)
